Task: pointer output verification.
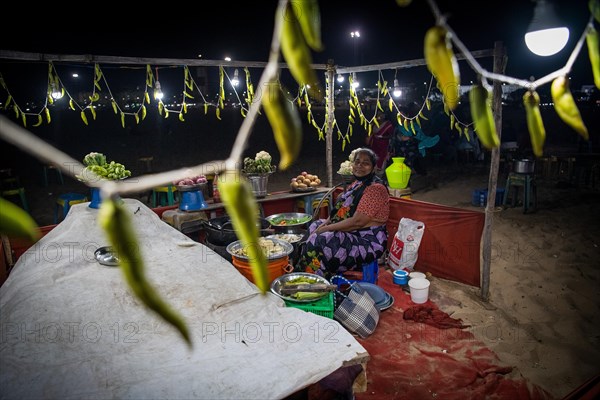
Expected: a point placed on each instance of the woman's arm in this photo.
(357, 221)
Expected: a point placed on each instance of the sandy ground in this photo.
(543, 313)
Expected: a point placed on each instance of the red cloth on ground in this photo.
(432, 316)
(412, 360)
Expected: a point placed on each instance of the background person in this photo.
(379, 139)
(355, 232)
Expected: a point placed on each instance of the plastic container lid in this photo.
(416, 275)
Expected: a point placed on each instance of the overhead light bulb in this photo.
(546, 35)
(354, 81)
(158, 94)
(397, 92)
(235, 81)
(55, 91)
(340, 78)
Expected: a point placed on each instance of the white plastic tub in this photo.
(419, 290)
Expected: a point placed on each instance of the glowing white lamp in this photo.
(236, 80)
(397, 92)
(56, 92)
(545, 36)
(158, 94)
(340, 78)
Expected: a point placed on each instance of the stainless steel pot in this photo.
(524, 166)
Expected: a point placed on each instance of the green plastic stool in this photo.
(525, 181)
(159, 192)
(17, 192)
(59, 176)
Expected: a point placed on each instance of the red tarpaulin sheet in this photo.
(450, 247)
(414, 360)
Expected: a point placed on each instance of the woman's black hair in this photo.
(365, 150)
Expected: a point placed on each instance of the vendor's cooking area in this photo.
(356, 298)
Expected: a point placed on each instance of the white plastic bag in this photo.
(404, 250)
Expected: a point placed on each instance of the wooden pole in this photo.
(330, 108)
(499, 67)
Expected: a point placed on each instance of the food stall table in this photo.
(70, 327)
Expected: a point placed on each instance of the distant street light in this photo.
(355, 35)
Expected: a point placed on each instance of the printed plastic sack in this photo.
(405, 246)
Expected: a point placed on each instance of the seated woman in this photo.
(355, 232)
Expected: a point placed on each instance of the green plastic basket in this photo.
(322, 307)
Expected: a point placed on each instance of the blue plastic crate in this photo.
(480, 196)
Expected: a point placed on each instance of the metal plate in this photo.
(303, 190)
(377, 293)
(389, 302)
(274, 217)
(287, 237)
(287, 249)
(280, 281)
(107, 256)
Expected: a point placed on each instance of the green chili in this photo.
(115, 220)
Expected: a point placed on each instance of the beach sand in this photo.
(543, 313)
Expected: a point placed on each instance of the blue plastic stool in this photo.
(65, 201)
(370, 274)
(309, 202)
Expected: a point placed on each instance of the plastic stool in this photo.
(65, 201)
(147, 161)
(17, 192)
(169, 191)
(59, 176)
(527, 182)
(309, 202)
(370, 273)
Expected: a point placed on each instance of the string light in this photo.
(158, 94)
(235, 81)
(355, 82)
(397, 92)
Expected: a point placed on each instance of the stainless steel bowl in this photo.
(232, 249)
(107, 256)
(279, 282)
(275, 219)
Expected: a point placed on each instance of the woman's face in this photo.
(362, 165)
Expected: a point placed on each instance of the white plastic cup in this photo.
(419, 290)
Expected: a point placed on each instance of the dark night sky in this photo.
(388, 34)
